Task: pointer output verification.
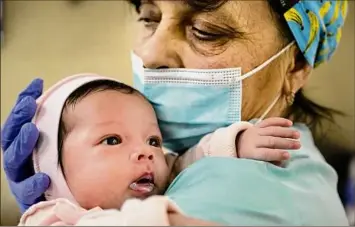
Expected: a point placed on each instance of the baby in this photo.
(101, 146)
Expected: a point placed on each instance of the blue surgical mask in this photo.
(191, 103)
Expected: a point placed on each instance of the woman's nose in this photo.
(161, 50)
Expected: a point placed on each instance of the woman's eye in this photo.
(147, 22)
(149, 14)
(154, 141)
(144, 20)
(112, 141)
(205, 36)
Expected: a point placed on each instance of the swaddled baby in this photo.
(101, 146)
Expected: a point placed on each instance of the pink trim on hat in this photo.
(47, 118)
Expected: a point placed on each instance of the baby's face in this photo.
(112, 150)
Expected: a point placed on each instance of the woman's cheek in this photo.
(234, 57)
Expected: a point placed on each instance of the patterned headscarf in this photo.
(316, 26)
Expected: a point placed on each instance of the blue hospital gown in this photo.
(248, 192)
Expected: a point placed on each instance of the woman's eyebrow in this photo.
(137, 3)
(204, 5)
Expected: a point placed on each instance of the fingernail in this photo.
(43, 179)
(297, 134)
(297, 145)
(36, 83)
(285, 155)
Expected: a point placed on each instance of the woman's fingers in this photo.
(21, 114)
(34, 90)
(277, 131)
(30, 190)
(19, 153)
(275, 121)
(278, 143)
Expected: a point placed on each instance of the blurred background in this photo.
(55, 39)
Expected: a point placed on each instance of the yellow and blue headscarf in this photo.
(316, 26)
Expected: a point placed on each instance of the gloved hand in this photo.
(18, 139)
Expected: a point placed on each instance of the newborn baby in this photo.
(101, 146)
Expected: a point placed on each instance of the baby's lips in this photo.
(142, 187)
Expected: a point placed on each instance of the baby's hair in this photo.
(82, 92)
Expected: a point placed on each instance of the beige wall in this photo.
(54, 39)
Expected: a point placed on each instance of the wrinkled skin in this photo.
(239, 33)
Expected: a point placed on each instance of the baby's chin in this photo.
(117, 203)
(104, 203)
(113, 204)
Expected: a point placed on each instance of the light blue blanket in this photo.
(247, 192)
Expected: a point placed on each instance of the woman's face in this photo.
(237, 34)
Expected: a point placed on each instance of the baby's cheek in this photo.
(163, 172)
(85, 190)
(94, 187)
(96, 176)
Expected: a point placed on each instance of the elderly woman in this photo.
(229, 61)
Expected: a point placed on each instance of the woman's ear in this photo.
(298, 71)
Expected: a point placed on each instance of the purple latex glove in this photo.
(18, 139)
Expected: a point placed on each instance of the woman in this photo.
(255, 36)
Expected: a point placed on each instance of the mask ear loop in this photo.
(268, 109)
(263, 65)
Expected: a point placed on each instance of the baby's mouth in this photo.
(144, 184)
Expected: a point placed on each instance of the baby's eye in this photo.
(154, 141)
(112, 140)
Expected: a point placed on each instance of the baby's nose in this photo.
(142, 155)
(145, 156)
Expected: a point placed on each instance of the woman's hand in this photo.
(268, 140)
(18, 139)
